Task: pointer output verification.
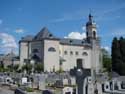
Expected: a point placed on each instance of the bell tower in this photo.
(91, 30)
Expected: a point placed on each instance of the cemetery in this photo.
(50, 65)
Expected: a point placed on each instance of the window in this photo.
(71, 53)
(82, 42)
(65, 52)
(107, 86)
(94, 34)
(84, 53)
(87, 34)
(51, 49)
(50, 35)
(36, 57)
(70, 41)
(77, 53)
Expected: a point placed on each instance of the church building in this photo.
(55, 53)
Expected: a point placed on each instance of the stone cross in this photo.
(80, 74)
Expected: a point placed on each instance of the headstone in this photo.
(58, 83)
(24, 80)
(73, 81)
(41, 80)
(65, 81)
(47, 92)
(67, 90)
(80, 73)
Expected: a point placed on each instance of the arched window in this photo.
(84, 53)
(94, 34)
(51, 49)
(87, 34)
(36, 57)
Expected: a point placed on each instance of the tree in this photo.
(106, 60)
(10, 68)
(15, 67)
(122, 48)
(118, 55)
(1, 66)
(38, 67)
(27, 67)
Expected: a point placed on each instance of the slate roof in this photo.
(46, 34)
(43, 34)
(68, 41)
(27, 38)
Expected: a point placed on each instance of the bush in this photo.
(29, 89)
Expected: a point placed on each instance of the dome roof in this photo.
(90, 22)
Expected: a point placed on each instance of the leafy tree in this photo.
(10, 68)
(106, 60)
(122, 48)
(1, 66)
(15, 67)
(27, 67)
(38, 67)
(118, 55)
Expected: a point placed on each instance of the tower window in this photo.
(94, 34)
(51, 49)
(87, 34)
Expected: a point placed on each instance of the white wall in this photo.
(23, 52)
(96, 57)
(51, 59)
(71, 59)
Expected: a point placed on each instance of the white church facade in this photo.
(55, 52)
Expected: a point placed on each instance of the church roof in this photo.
(68, 41)
(44, 34)
(90, 22)
(26, 38)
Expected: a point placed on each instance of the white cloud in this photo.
(7, 42)
(107, 48)
(76, 35)
(19, 30)
(84, 28)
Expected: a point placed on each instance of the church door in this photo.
(79, 63)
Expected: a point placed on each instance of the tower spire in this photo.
(90, 17)
(91, 31)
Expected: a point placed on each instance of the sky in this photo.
(63, 18)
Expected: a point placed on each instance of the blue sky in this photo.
(62, 17)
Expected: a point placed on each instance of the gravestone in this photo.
(67, 90)
(47, 92)
(80, 74)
